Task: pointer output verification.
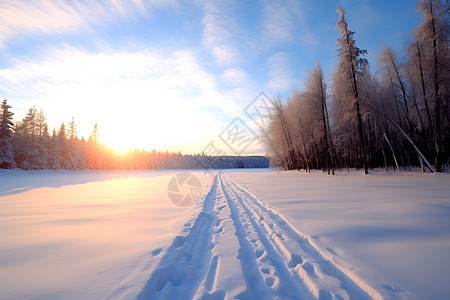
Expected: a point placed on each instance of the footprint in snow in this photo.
(179, 241)
(259, 253)
(331, 251)
(156, 252)
(296, 259)
(270, 281)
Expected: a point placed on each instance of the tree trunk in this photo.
(422, 81)
(437, 99)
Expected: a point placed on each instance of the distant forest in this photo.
(29, 145)
(397, 117)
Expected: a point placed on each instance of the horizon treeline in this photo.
(28, 145)
(397, 117)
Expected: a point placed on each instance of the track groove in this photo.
(237, 248)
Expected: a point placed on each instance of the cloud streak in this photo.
(51, 17)
(280, 19)
(283, 22)
(217, 32)
(281, 75)
(235, 75)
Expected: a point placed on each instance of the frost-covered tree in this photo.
(37, 156)
(346, 94)
(72, 130)
(55, 153)
(41, 123)
(280, 135)
(71, 154)
(415, 74)
(6, 149)
(316, 95)
(304, 129)
(29, 147)
(431, 39)
(66, 144)
(94, 150)
(94, 135)
(62, 134)
(393, 72)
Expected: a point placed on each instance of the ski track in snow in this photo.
(237, 248)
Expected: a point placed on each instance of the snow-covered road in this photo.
(239, 248)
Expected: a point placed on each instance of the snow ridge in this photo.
(238, 248)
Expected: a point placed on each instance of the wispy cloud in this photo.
(225, 55)
(280, 19)
(58, 17)
(235, 75)
(283, 22)
(217, 32)
(281, 75)
(362, 13)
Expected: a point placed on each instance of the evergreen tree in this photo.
(62, 134)
(55, 153)
(72, 129)
(94, 136)
(94, 153)
(30, 149)
(41, 123)
(6, 149)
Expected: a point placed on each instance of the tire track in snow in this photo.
(239, 249)
(290, 265)
(186, 261)
(203, 263)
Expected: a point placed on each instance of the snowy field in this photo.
(84, 234)
(253, 234)
(390, 229)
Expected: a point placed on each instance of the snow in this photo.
(258, 234)
(84, 234)
(392, 229)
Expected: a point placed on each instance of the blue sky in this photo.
(173, 74)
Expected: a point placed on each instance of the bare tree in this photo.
(392, 70)
(432, 33)
(315, 93)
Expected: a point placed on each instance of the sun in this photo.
(118, 146)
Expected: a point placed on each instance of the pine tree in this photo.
(72, 129)
(30, 149)
(94, 153)
(94, 135)
(6, 149)
(62, 135)
(40, 122)
(55, 153)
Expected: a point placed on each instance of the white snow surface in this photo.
(391, 230)
(85, 234)
(253, 234)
